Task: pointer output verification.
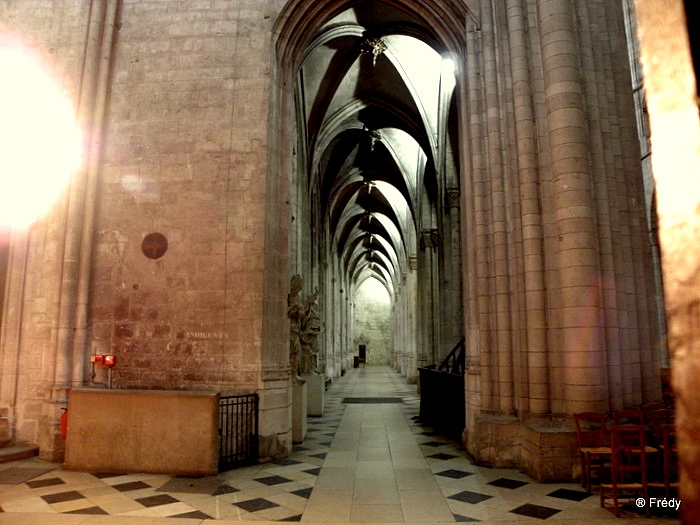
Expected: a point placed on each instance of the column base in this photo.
(542, 449)
(315, 390)
(299, 400)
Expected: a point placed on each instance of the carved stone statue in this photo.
(310, 328)
(296, 313)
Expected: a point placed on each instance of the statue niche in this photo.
(310, 328)
(295, 312)
(304, 328)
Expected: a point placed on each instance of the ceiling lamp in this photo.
(376, 46)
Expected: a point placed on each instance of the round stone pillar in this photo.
(581, 361)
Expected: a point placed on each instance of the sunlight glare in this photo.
(39, 140)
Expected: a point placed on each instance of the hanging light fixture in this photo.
(374, 45)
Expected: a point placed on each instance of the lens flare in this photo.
(39, 139)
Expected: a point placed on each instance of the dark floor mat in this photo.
(371, 400)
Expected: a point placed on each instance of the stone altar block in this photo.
(299, 402)
(316, 387)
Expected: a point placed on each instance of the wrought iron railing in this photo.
(238, 431)
(442, 393)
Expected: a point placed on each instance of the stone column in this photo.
(537, 377)
(412, 326)
(452, 319)
(479, 384)
(428, 304)
(582, 362)
(499, 270)
(71, 357)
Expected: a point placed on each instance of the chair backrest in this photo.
(667, 435)
(628, 417)
(656, 406)
(628, 459)
(660, 417)
(590, 429)
(669, 445)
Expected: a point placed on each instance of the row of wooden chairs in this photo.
(628, 454)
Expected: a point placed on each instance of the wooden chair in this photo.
(628, 417)
(661, 416)
(593, 450)
(656, 418)
(650, 407)
(667, 476)
(628, 468)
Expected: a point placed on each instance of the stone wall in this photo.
(372, 319)
(173, 99)
(185, 156)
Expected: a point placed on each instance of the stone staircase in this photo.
(10, 452)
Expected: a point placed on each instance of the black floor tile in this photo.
(467, 496)
(507, 483)
(313, 471)
(92, 511)
(286, 462)
(224, 489)
(132, 485)
(292, 518)
(434, 443)
(535, 511)
(304, 493)
(272, 480)
(40, 483)
(322, 455)
(195, 515)
(464, 519)
(155, 501)
(105, 475)
(254, 505)
(71, 495)
(571, 495)
(442, 456)
(454, 473)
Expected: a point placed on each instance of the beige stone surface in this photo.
(143, 431)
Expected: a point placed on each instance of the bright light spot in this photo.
(373, 290)
(448, 74)
(39, 140)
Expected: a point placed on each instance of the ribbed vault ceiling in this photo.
(374, 92)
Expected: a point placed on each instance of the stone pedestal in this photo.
(5, 432)
(316, 387)
(299, 402)
(544, 450)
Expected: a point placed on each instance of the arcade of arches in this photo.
(476, 164)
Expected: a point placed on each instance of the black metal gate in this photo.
(238, 431)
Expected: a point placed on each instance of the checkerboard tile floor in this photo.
(403, 472)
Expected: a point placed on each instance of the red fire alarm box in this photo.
(105, 360)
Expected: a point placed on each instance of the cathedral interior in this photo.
(287, 201)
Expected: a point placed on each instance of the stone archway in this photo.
(360, 209)
(558, 293)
